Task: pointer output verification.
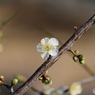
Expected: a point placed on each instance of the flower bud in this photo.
(76, 52)
(14, 81)
(2, 78)
(75, 27)
(75, 58)
(81, 57)
(82, 62)
(47, 80)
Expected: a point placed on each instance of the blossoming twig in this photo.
(51, 60)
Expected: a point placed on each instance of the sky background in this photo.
(24, 32)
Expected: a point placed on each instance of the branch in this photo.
(51, 60)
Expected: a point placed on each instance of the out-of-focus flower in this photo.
(21, 78)
(48, 47)
(75, 88)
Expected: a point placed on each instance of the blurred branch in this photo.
(7, 20)
(87, 80)
(89, 70)
(51, 60)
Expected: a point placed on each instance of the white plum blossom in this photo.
(75, 88)
(48, 47)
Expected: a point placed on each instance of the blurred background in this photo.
(23, 33)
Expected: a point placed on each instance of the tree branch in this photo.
(51, 60)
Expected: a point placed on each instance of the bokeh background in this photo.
(24, 32)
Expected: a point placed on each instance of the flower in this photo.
(48, 47)
(75, 88)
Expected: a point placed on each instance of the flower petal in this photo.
(44, 40)
(45, 55)
(54, 41)
(40, 47)
(54, 51)
(75, 88)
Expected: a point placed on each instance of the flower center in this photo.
(48, 47)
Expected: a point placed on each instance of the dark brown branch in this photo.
(51, 60)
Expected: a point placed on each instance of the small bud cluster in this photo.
(10, 87)
(46, 79)
(78, 57)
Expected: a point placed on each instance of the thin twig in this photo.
(7, 20)
(51, 60)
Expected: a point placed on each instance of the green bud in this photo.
(75, 58)
(47, 80)
(81, 57)
(2, 78)
(14, 81)
(82, 62)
